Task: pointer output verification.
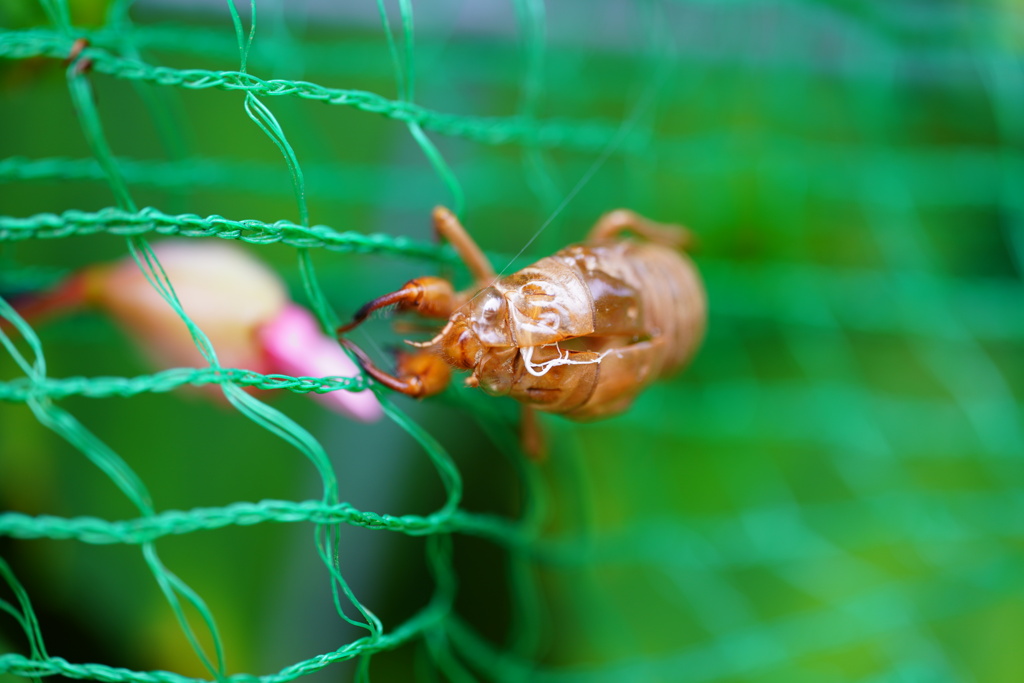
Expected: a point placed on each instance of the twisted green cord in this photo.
(20, 665)
(127, 223)
(578, 135)
(177, 522)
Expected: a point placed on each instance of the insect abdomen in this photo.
(674, 302)
(665, 327)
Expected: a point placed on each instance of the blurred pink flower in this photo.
(238, 302)
(228, 294)
(294, 345)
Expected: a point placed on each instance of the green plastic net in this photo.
(833, 491)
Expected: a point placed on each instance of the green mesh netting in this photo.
(833, 491)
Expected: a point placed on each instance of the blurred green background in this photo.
(833, 491)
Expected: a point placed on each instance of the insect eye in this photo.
(490, 307)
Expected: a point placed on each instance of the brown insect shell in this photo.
(639, 308)
(547, 302)
(541, 304)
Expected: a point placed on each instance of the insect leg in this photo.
(531, 435)
(417, 374)
(449, 227)
(432, 297)
(614, 223)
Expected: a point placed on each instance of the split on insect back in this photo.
(579, 333)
